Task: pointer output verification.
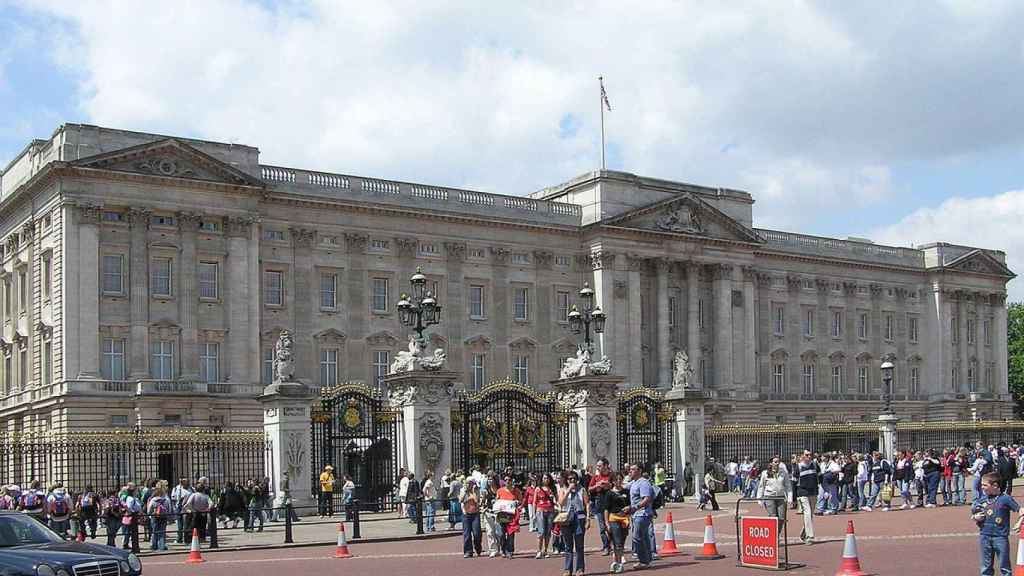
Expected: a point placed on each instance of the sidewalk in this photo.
(310, 530)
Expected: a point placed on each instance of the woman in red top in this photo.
(531, 514)
(544, 512)
(509, 520)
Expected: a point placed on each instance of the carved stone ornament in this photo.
(165, 166)
(295, 456)
(682, 372)
(455, 250)
(682, 218)
(583, 365)
(415, 358)
(620, 288)
(499, 255)
(603, 394)
(423, 392)
(302, 237)
(406, 246)
(238, 226)
(139, 217)
(189, 220)
(356, 243)
(88, 213)
(569, 399)
(693, 444)
(270, 412)
(635, 262)
(543, 259)
(601, 435)
(284, 359)
(432, 439)
(602, 260)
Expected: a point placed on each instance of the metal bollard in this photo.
(355, 519)
(288, 523)
(419, 515)
(211, 527)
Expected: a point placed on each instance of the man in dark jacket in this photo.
(1007, 468)
(806, 478)
(412, 496)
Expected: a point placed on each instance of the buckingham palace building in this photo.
(145, 279)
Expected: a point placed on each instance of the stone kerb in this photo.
(594, 400)
(425, 436)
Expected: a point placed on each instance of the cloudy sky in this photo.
(900, 121)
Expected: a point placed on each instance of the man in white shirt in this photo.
(730, 474)
(403, 491)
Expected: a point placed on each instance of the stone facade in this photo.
(146, 278)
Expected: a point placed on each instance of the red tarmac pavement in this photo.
(904, 543)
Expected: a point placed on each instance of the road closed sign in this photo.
(759, 542)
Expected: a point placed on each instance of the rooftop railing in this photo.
(817, 245)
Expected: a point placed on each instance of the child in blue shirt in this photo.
(991, 513)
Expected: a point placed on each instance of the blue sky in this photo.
(904, 127)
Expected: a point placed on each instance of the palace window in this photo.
(700, 313)
(837, 323)
(479, 371)
(112, 361)
(113, 274)
(209, 362)
(562, 302)
(890, 327)
(47, 275)
(955, 377)
(379, 368)
(954, 328)
(971, 329)
(8, 372)
(915, 380)
(164, 221)
(476, 302)
(986, 332)
(779, 320)
(862, 325)
(379, 245)
(988, 377)
(161, 363)
(380, 295)
(972, 377)
(209, 226)
(521, 369)
(863, 380)
(778, 378)
(7, 298)
(912, 328)
(671, 310)
(328, 290)
(563, 261)
(268, 365)
(809, 322)
(328, 367)
(47, 360)
(837, 379)
(520, 304)
(23, 368)
(276, 235)
(109, 216)
(808, 379)
(208, 280)
(273, 288)
(161, 277)
(520, 258)
(23, 290)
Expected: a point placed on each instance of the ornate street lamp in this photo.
(581, 321)
(421, 309)
(887, 368)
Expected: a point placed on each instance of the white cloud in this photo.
(806, 106)
(992, 222)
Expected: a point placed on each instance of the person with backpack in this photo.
(145, 494)
(963, 470)
(255, 505)
(58, 508)
(33, 501)
(132, 516)
(88, 506)
(160, 510)
(179, 494)
(7, 500)
(982, 465)
(113, 512)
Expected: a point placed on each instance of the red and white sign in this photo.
(759, 542)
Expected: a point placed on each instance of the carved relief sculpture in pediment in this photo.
(165, 166)
(681, 218)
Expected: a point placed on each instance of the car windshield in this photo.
(19, 530)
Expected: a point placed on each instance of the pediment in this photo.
(479, 342)
(979, 262)
(170, 158)
(330, 335)
(685, 214)
(523, 343)
(564, 345)
(382, 338)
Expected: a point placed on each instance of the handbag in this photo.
(561, 519)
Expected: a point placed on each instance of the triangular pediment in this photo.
(170, 158)
(980, 262)
(685, 214)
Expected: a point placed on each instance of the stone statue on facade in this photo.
(284, 359)
(416, 357)
(583, 365)
(682, 372)
(682, 218)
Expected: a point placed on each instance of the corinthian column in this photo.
(189, 301)
(88, 291)
(723, 325)
(693, 320)
(139, 278)
(661, 265)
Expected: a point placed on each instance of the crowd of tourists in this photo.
(149, 507)
(556, 508)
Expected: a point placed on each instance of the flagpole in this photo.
(600, 105)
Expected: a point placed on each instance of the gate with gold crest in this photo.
(509, 425)
(356, 431)
(645, 428)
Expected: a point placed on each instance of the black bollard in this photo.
(288, 523)
(211, 527)
(355, 519)
(419, 515)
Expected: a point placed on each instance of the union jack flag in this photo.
(604, 95)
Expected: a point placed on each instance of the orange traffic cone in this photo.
(710, 550)
(850, 565)
(194, 556)
(1018, 568)
(342, 550)
(668, 544)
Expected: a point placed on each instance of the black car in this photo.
(28, 548)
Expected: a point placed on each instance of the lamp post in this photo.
(887, 368)
(581, 321)
(421, 309)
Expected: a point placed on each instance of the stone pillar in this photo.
(237, 291)
(634, 368)
(664, 372)
(286, 423)
(750, 329)
(88, 292)
(425, 434)
(723, 326)
(689, 444)
(189, 300)
(603, 263)
(305, 298)
(502, 312)
(887, 434)
(999, 345)
(138, 277)
(255, 302)
(356, 288)
(594, 401)
(693, 349)
(454, 305)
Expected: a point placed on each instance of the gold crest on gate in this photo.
(641, 419)
(352, 418)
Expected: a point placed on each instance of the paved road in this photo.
(933, 541)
